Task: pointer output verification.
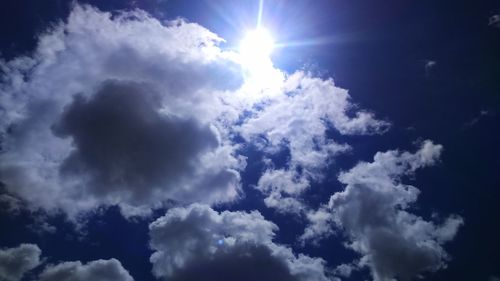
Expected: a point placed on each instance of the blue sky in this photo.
(138, 143)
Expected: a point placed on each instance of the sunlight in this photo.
(256, 48)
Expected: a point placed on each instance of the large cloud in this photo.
(99, 270)
(98, 86)
(372, 210)
(118, 110)
(15, 262)
(198, 243)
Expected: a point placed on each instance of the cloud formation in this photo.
(102, 270)
(15, 262)
(198, 243)
(373, 213)
(298, 119)
(130, 111)
(123, 109)
(118, 110)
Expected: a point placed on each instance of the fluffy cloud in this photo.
(198, 243)
(119, 110)
(15, 262)
(373, 213)
(101, 270)
(128, 110)
(299, 118)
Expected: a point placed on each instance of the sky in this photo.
(249, 140)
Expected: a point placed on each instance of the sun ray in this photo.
(259, 14)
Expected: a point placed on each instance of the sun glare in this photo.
(257, 46)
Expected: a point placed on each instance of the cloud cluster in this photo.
(373, 213)
(118, 110)
(198, 243)
(298, 119)
(126, 110)
(15, 262)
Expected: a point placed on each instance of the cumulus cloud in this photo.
(125, 109)
(102, 270)
(119, 110)
(298, 118)
(15, 262)
(198, 243)
(373, 213)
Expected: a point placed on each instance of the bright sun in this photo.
(257, 46)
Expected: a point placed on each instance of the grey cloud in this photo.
(372, 211)
(246, 262)
(15, 262)
(494, 21)
(99, 270)
(196, 243)
(124, 143)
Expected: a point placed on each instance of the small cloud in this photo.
(482, 114)
(10, 204)
(494, 21)
(429, 66)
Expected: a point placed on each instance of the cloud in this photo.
(494, 21)
(102, 270)
(126, 110)
(198, 243)
(299, 118)
(11, 204)
(15, 262)
(479, 117)
(120, 110)
(373, 213)
(126, 149)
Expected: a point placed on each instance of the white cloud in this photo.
(98, 87)
(15, 262)
(198, 243)
(373, 213)
(101, 270)
(299, 118)
(119, 110)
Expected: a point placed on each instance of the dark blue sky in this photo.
(380, 52)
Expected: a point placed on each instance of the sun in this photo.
(257, 46)
(255, 52)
